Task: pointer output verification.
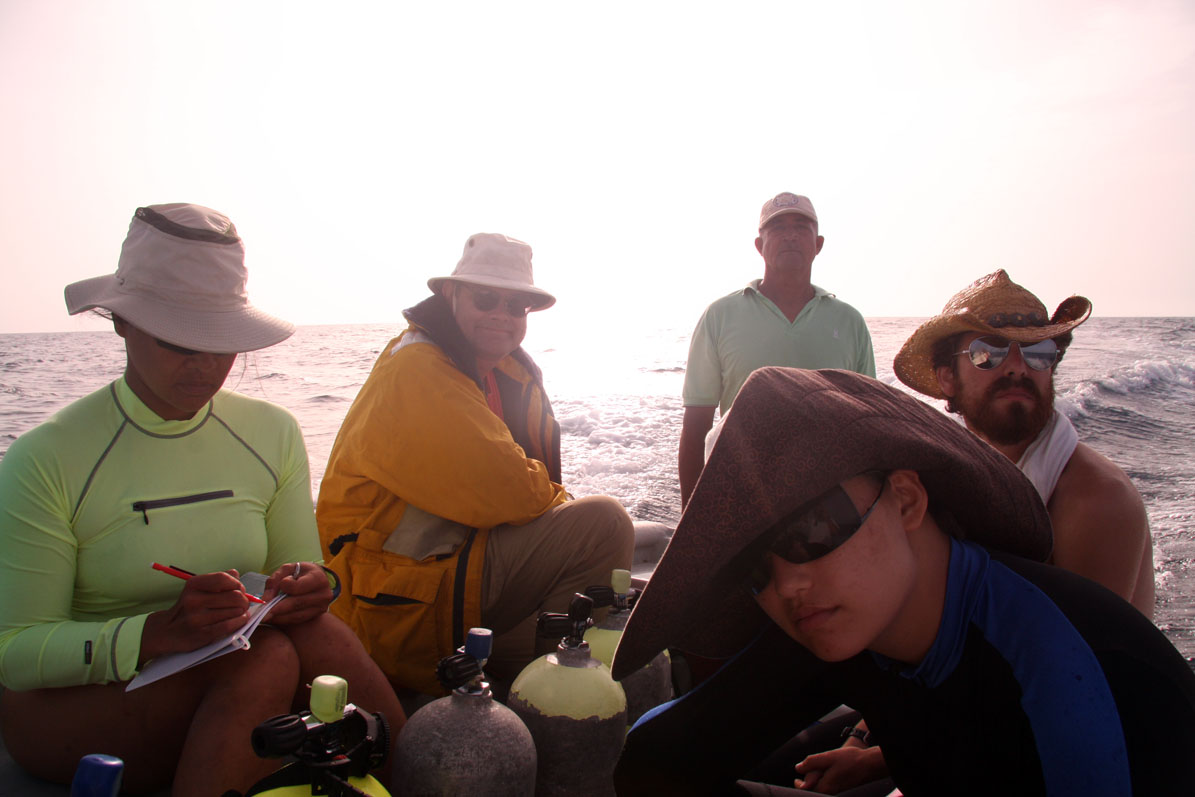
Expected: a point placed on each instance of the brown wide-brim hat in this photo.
(993, 305)
(793, 435)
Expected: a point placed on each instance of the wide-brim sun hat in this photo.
(494, 260)
(181, 278)
(992, 305)
(793, 435)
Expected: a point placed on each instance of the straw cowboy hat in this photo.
(792, 436)
(993, 305)
(496, 261)
(181, 278)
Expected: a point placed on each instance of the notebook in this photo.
(159, 668)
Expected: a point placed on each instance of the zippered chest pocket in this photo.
(144, 507)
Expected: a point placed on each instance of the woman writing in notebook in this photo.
(164, 466)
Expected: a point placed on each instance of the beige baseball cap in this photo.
(786, 202)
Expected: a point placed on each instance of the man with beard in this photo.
(849, 544)
(991, 355)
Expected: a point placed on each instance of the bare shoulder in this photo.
(1094, 485)
(1101, 529)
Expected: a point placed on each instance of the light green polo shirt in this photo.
(745, 330)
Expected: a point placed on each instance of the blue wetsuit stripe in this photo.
(1076, 726)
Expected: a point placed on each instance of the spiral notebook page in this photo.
(169, 664)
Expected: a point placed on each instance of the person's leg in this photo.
(538, 566)
(235, 702)
(192, 727)
(326, 646)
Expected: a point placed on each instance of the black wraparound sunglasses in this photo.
(812, 531)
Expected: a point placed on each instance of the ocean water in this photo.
(1128, 384)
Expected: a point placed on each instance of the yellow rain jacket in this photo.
(421, 470)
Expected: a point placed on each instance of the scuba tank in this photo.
(335, 747)
(98, 775)
(648, 686)
(576, 713)
(466, 743)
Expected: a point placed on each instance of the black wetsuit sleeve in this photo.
(704, 741)
(1153, 686)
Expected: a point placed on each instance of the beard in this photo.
(1014, 423)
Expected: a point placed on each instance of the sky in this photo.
(357, 145)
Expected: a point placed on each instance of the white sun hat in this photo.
(181, 278)
(497, 261)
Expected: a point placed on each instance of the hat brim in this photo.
(791, 436)
(914, 366)
(544, 300)
(240, 329)
(811, 216)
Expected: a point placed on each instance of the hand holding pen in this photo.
(210, 607)
(186, 575)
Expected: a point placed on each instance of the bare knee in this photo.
(270, 666)
(319, 632)
(325, 642)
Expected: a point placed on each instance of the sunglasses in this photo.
(811, 531)
(485, 301)
(988, 352)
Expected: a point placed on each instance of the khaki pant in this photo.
(538, 566)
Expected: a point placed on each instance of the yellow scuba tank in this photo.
(576, 713)
(467, 743)
(335, 747)
(650, 685)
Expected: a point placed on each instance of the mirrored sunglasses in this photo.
(485, 301)
(812, 531)
(988, 352)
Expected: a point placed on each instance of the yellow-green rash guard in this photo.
(93, 497)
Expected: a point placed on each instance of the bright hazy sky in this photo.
(357, 145)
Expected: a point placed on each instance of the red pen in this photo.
(178, 572)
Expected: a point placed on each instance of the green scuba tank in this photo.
(466, 743)
(648, 686)
(576, 713)
(334, 746)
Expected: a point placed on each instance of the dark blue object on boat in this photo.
(98, 775)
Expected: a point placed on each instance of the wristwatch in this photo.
(850, 732)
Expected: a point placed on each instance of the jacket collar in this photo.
(434, 316)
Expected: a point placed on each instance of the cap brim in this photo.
(806, 214)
